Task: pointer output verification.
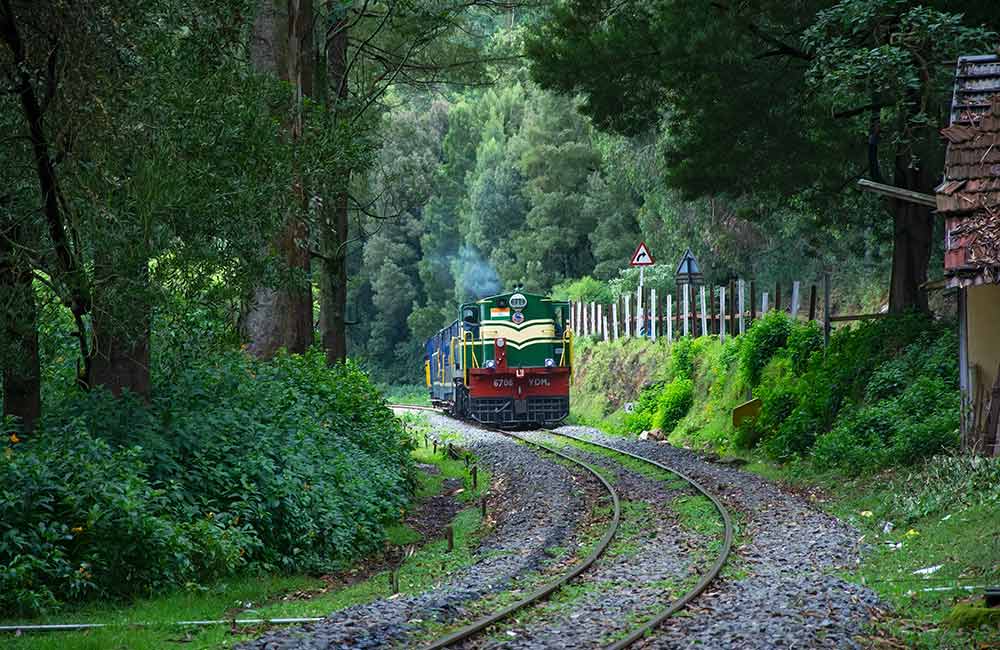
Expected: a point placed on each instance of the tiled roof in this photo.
(972, 164)
(969, 196)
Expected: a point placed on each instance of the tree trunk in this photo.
(335, 227)
(333, 317)
(119, 358)
(19, 328)
(120, 361)
(281, 317)
(913, 228)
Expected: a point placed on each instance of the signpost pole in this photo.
(687, 306)
(640, 328)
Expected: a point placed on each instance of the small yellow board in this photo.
(746, 410)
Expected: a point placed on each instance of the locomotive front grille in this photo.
(492, 410)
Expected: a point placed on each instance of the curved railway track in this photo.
(669, 610)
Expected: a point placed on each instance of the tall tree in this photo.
(371, 47)
(281, 317)
(788, 107)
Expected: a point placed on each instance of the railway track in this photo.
(666, 612)
(481, 624)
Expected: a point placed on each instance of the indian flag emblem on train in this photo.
(518, 318)
(499, 312)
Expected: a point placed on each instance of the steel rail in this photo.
(707, 579)
(547, 589)
(73, 627)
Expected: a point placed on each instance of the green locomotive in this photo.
(506, 360)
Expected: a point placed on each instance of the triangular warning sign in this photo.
(641, 256)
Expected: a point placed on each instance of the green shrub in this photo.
(778, 398)
(586, 289)
(641, 417)
(673, 403)
(682, 353)
(286, 465)
(843, 396)
(918, 423)
(803, 340)
(762, 341)
(80, 518)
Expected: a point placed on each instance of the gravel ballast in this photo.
(790, 596)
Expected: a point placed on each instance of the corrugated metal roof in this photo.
(977, 79)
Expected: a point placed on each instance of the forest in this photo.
(226, 226)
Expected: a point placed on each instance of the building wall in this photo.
(983, 330)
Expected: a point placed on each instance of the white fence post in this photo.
(704, 313)
(599, 314)
(652, 314)
(628, 319)
(742, 307)
(722, 313)
(763, 303)
(594, 327)
(614, 319)
(795, 300)
(670, 318)
(604, 325)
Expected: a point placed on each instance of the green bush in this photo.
(916, 424)
(80, 518)
(762, 341)
(682, 355)
(803, 340)
(641, 417)
(285, 465)
(884, 392)
(673, 403)
(586, 289)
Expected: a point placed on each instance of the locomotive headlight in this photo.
(501, 342)
(490, 363)
(550, 363)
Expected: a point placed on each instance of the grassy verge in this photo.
(275, 596)
(931, 533)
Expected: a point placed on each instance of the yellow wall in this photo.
(983, 313)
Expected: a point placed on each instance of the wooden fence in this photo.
(700, 310)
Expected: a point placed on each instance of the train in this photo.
(506, 361)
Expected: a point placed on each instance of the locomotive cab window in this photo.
(559, 316)
(470, 315)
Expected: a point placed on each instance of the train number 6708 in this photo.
(503, 382)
